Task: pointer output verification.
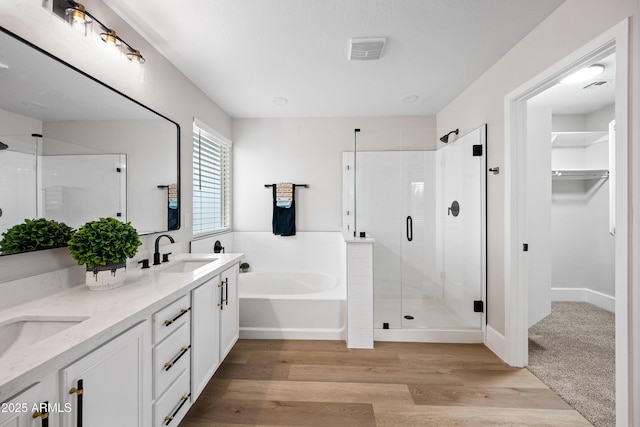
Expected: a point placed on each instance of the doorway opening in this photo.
(571, 275)
(526, 247)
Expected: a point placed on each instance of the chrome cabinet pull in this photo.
(409, 228)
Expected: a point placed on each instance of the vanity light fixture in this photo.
(584, 74)
(77, 16)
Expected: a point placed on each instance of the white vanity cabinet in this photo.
(171, 362)
(37, 406)
(229, 312)
(111, 385)
(109, 373)
(205, 334)
(215, 326)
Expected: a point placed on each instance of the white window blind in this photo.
(211, 182)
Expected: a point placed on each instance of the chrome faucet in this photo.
(156, 254)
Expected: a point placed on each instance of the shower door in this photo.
(460, 233)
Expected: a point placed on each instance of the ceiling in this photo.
(582, 97)
(251, 56)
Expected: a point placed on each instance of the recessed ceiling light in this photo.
(410, 98)
(584, 74)
(3, 66)
(278, 100)
(32, 104)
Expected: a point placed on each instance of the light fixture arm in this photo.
(133, 53)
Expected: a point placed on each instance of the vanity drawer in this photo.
(171, 357)
(174, 403)
(171, 318)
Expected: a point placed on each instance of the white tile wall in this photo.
(360, 293)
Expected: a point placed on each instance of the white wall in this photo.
(163, 89)
(583, 249)
(573, 24)
(309, 151)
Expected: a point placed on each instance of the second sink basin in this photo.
(185, 265)
(21, 333)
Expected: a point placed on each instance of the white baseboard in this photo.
(606, 302)
(497, 343)
(292, 334)
(426, 335)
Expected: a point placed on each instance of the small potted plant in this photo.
(35, 234)
(244, 267)
(104, 246)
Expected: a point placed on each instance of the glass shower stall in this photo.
(426, 211)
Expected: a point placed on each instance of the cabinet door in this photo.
(34, 407)
(205, 335)
(111, 385)
(229, 320)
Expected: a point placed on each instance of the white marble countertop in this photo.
(107, 313)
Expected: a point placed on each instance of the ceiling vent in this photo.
(597, 84)
(366, 49)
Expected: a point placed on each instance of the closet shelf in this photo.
(580, 174)
(578, 139)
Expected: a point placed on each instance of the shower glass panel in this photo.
(429, 263)
(94, 187)
(391, 208)
(460, 234)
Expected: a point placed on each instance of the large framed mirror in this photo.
(73, 149)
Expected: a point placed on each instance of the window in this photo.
(211, 181)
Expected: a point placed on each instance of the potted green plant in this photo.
(104, 246)
(35, 234)
(244, 267)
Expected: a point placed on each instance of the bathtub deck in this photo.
(322, 383)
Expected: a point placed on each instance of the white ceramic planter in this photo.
(105, 277)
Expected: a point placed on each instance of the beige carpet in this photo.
(573, 352)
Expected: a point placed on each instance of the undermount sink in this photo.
(185, 265)
(21, 333)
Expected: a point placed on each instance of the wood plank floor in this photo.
(322, 383)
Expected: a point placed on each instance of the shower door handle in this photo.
(409, 228)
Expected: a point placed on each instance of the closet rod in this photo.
(580, 174)
(297, 185)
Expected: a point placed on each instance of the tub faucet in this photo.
(217, 247)
(156, 254)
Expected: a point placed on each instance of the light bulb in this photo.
(584, 74)
(110, 38)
